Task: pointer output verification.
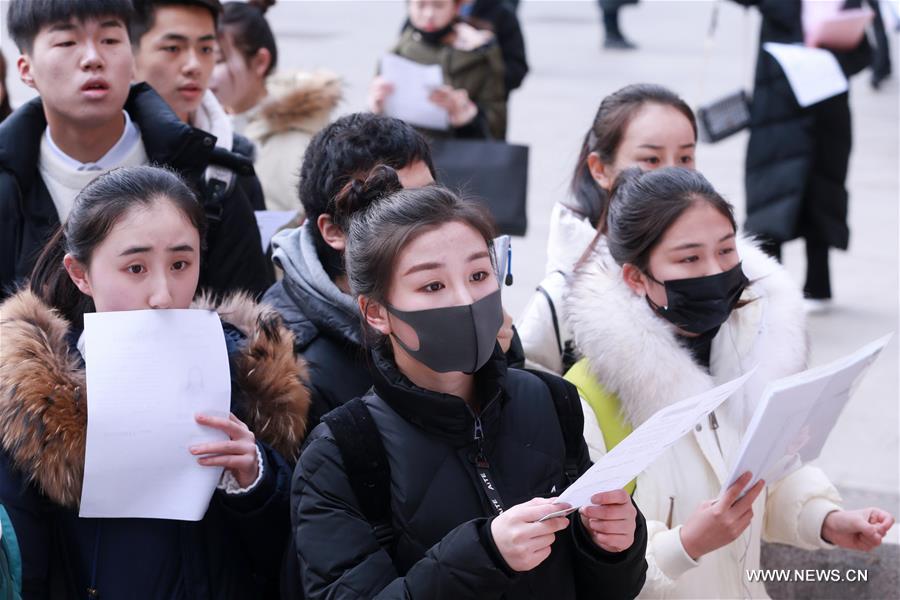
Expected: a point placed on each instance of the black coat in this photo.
(234, 259)
(336, 362)
(441, 514)
(505, 24)
(233, 552)
(797, 158)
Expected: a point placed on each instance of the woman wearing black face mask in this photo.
(475, 451)
(474, 91)
(668, 303)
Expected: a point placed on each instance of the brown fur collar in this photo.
(43, 406)
(301, 101)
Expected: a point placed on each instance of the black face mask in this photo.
(701, 304)
(454, 338)
(434, 37)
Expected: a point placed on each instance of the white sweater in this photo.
(65, 177)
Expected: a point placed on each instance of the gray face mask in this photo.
(454, 338)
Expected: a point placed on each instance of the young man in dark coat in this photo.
(51, 147)
(314, 297)
(797, 158)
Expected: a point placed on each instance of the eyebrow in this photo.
(691, 245)
(69, 25)
(428, 266)
(177, 37)
(143, 249)
(656, 147)
(61, 26)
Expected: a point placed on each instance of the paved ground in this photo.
(570, 74)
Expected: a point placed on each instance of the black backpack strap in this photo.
(366, 465)
(571, 420)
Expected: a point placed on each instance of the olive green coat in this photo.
(479, 72)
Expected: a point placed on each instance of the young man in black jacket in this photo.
(89, 119)
(314, 297)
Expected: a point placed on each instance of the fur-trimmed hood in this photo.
(636, 355)
(297, 101)
(43, 404)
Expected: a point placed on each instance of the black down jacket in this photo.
(797, 157)
(234, 259)
(441, 515)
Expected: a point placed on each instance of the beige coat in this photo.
(634, 354)
(281, 127)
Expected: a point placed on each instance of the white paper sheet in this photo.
(814, 74)
(797, 413)
(413, 83)
(269, 222)
(149, 372)
(646, 443)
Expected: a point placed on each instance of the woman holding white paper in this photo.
(667, 308)
(474, 451)
(133, 241)
(474, 90)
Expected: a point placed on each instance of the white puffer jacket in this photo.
(543, 326)
(634, 354)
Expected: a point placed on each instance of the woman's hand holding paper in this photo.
(238, 454)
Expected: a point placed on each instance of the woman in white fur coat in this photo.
(643, 125)
(670, 304)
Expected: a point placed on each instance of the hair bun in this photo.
(262, 5)
(363, 190)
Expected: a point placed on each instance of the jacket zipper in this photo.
(483, 469)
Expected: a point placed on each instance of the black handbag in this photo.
(724, 117)
(730, 114)
(492, 172)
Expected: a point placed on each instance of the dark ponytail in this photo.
(604, 137)
(249, 30)
(97, 209)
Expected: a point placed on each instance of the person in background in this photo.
(679, 309)
(278, 111)
(132, 242)
(475, 449)
(5, 107)
(474, 90)
(505, 25)
(174, 43)
(642, 125)
(88, 120)
(614, 40)
(798, 158)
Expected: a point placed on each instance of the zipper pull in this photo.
(713, 421)
(483, 469)
(480, 458)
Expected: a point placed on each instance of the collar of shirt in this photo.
(131, 135)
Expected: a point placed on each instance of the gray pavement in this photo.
(570, 74)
